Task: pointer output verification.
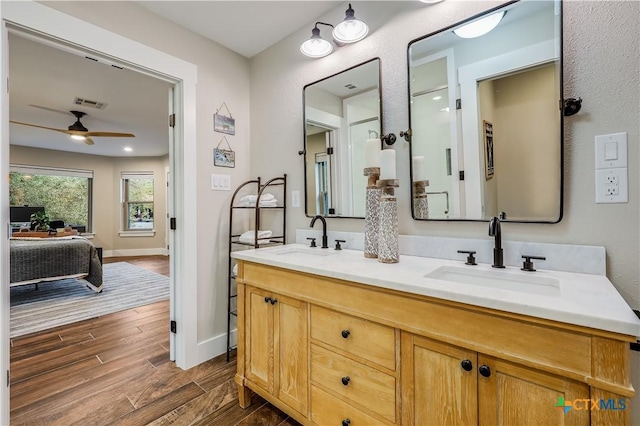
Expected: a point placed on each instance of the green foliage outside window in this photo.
(63, 197)
(139, 202)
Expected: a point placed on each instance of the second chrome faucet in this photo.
(496, 232)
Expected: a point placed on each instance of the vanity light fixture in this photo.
(480, 27)
(350, 30)
(316, 46)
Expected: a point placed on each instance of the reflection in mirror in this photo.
(341, 112)
(486, 120)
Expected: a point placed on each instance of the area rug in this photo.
(67, 301)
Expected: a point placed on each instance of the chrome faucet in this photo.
(324, 229)
(496, 232)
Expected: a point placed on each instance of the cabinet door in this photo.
(291, 349)
(259, 351)
(517, 395)
(437, 387)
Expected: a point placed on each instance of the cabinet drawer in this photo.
(328, 410)
(347, 378)
(368, 340)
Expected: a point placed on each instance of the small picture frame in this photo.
(224, 124)
(488, 149)
(224, 158)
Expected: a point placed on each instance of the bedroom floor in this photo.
(115, 369)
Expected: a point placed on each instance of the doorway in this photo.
(32, 17)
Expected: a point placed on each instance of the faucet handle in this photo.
(313, 242)
(527, 265)
(338, 247)
(471, 260)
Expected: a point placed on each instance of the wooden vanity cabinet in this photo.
(470, 388)
(417, 360)
(276, 356)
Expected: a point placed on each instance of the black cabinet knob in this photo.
(346, 422)
(267, 299)
(484, 371)
(467, 365)
(345, 333)
(346, 380)
(273, 301)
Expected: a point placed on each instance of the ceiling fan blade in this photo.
(88, 141)
(40, 127)
(50, 109)
(109, 134)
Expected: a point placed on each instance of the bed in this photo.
(33, 260)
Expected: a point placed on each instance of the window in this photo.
(137, 201)
(65, 194)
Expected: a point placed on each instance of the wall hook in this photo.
(389, 139)
(406, 135)
(571, 106)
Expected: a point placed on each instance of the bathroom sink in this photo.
(300, 250)
(525, 282)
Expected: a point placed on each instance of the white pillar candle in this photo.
(372, 153)
(418, 168)
(387, 164)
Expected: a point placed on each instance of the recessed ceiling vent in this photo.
(90, 103)
(350, 86)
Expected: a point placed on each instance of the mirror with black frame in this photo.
(486, 118)
(340, 113)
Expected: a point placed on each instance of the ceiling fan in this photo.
(78, 132)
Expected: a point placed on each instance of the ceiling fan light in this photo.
(480, 27)
(316, 46)
(78, 137)
(350, 30)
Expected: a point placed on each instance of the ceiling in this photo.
(135, 103)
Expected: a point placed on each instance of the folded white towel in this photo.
(235, 269)
(249, 237)
(251, 240)
(261, 234)
(253, 198)
(269, 203)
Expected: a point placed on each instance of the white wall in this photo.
(223, 76)
(601, 64)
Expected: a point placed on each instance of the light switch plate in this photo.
(220, 182)
(295, 198)
(611, 151)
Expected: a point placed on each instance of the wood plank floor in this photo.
(115, 370)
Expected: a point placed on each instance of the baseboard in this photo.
(214, 346)
(136, 252)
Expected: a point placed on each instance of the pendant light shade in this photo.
(316, 46)
(351, 29)
(480, 27)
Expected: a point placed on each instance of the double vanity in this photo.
(333, 338)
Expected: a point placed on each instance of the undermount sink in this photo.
(309, 251)
(525, 282)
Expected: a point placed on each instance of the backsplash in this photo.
(559, 257)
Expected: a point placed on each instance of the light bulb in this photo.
(479, 27)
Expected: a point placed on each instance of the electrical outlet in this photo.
(612, 186)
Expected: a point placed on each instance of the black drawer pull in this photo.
(467, 365)
(484, 371)
(346, 380)
(345, 333)
(274, 301)
(346, 422)
(267, 299)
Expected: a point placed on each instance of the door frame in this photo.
(54, 25)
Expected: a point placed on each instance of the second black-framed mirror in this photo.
(486, 117)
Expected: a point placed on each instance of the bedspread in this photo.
(47, 259)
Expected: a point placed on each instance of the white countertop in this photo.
(574, 298)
